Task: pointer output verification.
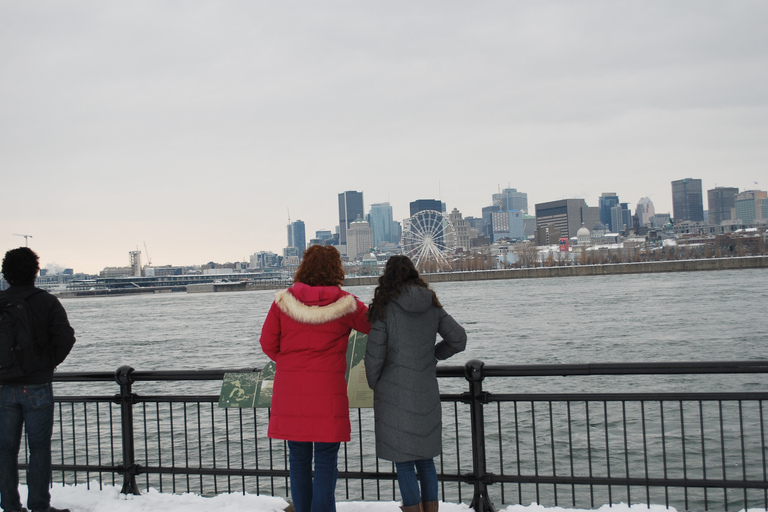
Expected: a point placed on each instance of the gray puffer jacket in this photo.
(400, 362)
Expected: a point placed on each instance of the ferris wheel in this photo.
(427, 239)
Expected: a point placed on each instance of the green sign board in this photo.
(254, 389)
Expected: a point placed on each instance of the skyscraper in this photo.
(751, 206)
(421, 205)
(359, 238)
(607, 201)
(567, 215)
(687, 202)
(511, 200)
(350, 208)
(645, 211)
(720, 203)
(380, 219)
(296, 236)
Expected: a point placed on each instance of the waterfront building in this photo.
(659, 220)
(644, 211)
(721, 204)
(583, 237)
(135, 264)
(687, 202)
(508, 224)
(487, 216)
(509, 199)
(421, 205)
(566, 215)
(264, 259)
(116, 272)
(382, 223)
(323, 235)
(350, 208)
(621, 218)
(297, 236)
(752, 206)
(359, 238)
(461, 231)
(605, 203)
(397, 232)
(475, 226)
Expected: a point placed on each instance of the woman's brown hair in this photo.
(320, 266)
(398, 273)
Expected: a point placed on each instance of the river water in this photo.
(669, 317)
(686, 316)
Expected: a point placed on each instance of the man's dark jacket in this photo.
(52, 330)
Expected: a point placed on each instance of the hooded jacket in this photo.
(306, 333)
(400, 362)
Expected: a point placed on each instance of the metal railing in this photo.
(690, 450)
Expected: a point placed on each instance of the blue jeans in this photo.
(316, 494)
(32, 406)
(409, 483)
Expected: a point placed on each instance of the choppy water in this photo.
(689, 316)
(694, 316)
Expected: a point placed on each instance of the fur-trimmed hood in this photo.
(315, 304)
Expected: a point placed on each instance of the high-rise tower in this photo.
(687, 202)
(350, 208)
(720, 203)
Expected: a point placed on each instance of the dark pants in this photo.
(32, 406)
(316, 494)
(409, 483)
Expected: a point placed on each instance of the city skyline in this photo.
(194, 132)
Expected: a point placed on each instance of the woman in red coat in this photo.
(306, 333)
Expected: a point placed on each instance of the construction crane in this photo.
(149, 260)
(26, 239)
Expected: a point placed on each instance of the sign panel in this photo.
(254, 389)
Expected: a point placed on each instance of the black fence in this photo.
(579, 444)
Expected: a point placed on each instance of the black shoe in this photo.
(51, 509)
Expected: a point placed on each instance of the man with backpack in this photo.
(35, 337)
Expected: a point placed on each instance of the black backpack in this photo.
(19, 353)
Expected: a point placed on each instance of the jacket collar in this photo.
(305, 314)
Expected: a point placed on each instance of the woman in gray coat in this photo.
(400, 361)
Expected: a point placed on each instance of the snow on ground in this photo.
(108, 499)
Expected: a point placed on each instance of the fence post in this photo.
(473, 371)
(126, 399)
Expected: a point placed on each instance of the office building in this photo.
(508, 224)
(460, 236)
(487, 217)
(264, 259)
(644, 211)
(621, 218)
(421, 205)
(350, 208)
(381, 221)
(721, 204)
(566, 215)
(509, 199)
(687, 202)
(359, 238)
(296, 236)
(605, 203)
(752, 206)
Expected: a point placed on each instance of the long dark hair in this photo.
(398, 273)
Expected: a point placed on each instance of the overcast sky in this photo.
(196, 127)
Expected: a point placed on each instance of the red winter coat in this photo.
(306, 333)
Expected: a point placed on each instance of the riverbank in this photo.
(585, 270)
(708, 264)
